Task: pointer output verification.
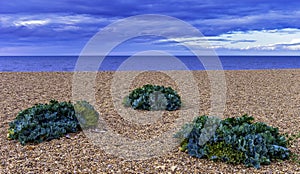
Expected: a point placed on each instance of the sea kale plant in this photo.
(153, 97)
(44, 122)
(86, 114)
(233, 140)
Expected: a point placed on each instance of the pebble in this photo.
(272, 90)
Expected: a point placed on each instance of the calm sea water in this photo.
(67, 63)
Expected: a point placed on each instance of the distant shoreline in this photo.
(112, 63)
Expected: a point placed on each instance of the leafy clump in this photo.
(153, 97)
(44, 122)
(233, 140)
(86, 114)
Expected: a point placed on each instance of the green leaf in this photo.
(43, 122)
(153, 97)
(236, 140)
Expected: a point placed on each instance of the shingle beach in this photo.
(270, 96)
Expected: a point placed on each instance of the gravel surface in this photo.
(271, 96)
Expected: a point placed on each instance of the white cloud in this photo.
(77, 19)
(63, 21)
(31, 23)
(292, 47)
(283, 39)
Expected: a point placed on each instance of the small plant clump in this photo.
(86, 114)
(44, 122)
(153, 97)
(233, 140)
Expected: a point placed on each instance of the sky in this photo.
(64, 27)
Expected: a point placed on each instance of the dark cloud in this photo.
(190, 11)
(103, 8)
(75, 21)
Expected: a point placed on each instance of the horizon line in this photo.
(234, 55)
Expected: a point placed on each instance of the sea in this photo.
(113, 63)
